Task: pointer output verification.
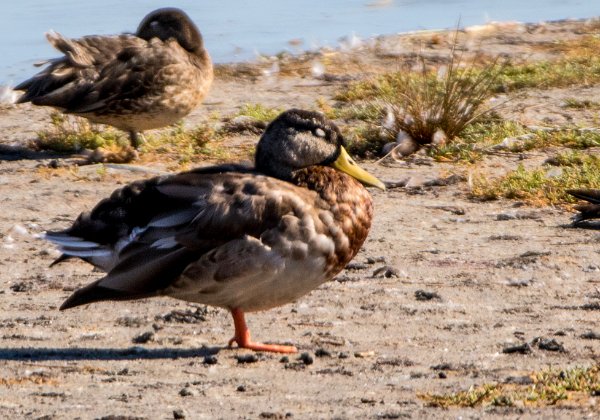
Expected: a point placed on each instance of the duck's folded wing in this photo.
(137, 72)
(75, 73)
(214, 212)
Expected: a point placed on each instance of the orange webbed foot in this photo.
(242, 337)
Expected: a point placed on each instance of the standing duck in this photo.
(132, 82)
(244, 239)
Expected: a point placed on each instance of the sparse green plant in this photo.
(541, 186)
(578, 70)
(259, 112)
(581, 104)
(547, 387)
(186, 146)
(71, 134)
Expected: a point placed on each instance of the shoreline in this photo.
(352, 43)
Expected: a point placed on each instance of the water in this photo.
(236, 30)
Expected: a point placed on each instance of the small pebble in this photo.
(247, 358)
(306, 358)
(343, 355)
(364, 354)
(178, 414)
(356, 266)
(550, 344)
(241, 388)
(442, 375)
(210, 360)
(524, 348)
(519, 380)
(373, 260)
(386, 272)
(186, 392)
(424, 295)
(322, 353)
(284, 359)
(591, 335)
(143, 338)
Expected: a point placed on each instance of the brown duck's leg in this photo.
(242, 337)
(136, 138)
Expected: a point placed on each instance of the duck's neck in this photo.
(350, 204)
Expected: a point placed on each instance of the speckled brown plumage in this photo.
(231, 236)
(132, 82)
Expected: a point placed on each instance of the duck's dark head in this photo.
(171, 23)
(297, 139)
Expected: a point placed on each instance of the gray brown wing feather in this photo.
(230, 209)
(96, 73)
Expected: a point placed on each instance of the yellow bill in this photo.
(346, 164)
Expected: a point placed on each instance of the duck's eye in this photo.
(319, 132)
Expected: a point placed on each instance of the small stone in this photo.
(524, 348)
(591, 335)
(386, 272)
(356, 266)
(550, 344)
(284, 359)
(424, 295)
(187, 392)
(322, 353)
(519, 380)
(364, 354)
(241, 388)
(306, 358)
(442, 375)
(210, 360)
(143, 338)
(373, 260)
(443, 366)
(247, 358)
(343, 355)
(178, 414)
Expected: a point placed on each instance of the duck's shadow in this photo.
(30, 354)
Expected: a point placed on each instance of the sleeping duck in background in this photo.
(133, 82)
(244, 239)
(589, 210)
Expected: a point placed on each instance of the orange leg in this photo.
(242, 337)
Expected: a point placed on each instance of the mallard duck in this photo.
(132, 82)
(589, 210)
(240, 238)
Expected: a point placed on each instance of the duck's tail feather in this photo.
(94, 253)
(95, 293)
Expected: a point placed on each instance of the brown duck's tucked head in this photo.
(171, 23)
(297, 139)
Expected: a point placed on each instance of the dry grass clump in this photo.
(445, 101)
(432, 105)
(548, 387)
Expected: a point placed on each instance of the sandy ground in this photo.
(502, 273)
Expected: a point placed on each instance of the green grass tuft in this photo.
(70, 134)
(548, 387)
(259, 112)
(545, 185)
